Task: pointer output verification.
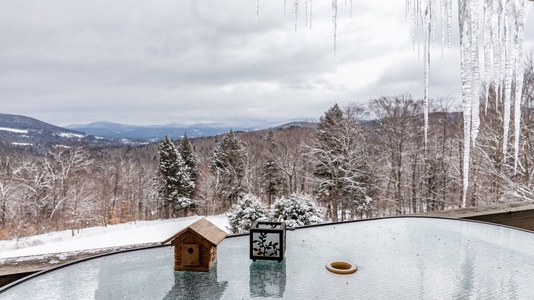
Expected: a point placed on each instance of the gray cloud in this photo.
(140, 62)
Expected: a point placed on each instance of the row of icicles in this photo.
(500, 24)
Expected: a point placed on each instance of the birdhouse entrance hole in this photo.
(190, 255)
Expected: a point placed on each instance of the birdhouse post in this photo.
(195, 247)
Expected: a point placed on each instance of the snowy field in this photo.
(133, 233)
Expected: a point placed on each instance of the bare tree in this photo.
(398, 129)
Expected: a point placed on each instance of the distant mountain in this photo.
(152, 133)
(24, 131)
(18, 130)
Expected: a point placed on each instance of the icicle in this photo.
(334, 21)
(350, 9)
(414, 24)
(487, 49)
(496, 41)
(427, 75)
(428, 34)
(311, 13)
(443, 24)
(465, 54)
(417, 25)
(431, 6)
(508, 74)
(475, 86)
(285, 5)
(519, 69)
(406, 10)
(306, 10)
(449, 22)
(257, 10)
(296, 11)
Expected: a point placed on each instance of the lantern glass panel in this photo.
(267, 240)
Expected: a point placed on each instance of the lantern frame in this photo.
(268, 240)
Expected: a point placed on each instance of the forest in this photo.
(359, 161)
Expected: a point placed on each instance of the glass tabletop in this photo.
(396, 258)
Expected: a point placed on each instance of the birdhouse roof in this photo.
(205, 229)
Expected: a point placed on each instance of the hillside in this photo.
(22, 131)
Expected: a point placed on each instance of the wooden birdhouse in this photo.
(195, 247)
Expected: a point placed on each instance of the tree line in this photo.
(359, 161)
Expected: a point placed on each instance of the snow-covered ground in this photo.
(133, 233)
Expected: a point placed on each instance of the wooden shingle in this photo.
(204, 228)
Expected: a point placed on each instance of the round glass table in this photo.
(396, 258)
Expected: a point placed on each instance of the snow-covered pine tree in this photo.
(228, 163)
(272, 180)
(296, 210)
(188, 155)
(173, 179)
(340, 168)
(245, 212)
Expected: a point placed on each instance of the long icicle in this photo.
(508, 74)
(334, 21)
(311, 13)
(487, 50)
(519, 69)
(257, 10)
(465, 54)
(295, 11)
(426, 58)
(475, 6)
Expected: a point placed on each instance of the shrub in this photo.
(244, 213)
(296, 210)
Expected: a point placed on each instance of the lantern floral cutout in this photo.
(268, 240)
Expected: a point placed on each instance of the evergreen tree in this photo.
(340, 167)
(245, 212)
(272, 179)
(188, 155)
(228, 163)
(175, 184)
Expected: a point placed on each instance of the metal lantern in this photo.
(268, 240)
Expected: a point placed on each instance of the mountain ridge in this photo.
(153, 133)
(18, 130)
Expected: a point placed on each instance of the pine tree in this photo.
(188, 155)
(272, 179)
(228, 163)
(340, 166)
(175, 184)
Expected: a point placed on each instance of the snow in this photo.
(140, 232)
(14, 130)
(71, 135)
(21, 144)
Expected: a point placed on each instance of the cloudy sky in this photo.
(196, 61)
